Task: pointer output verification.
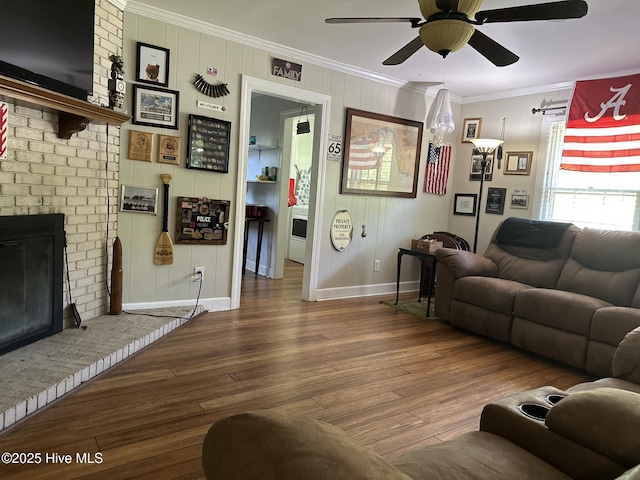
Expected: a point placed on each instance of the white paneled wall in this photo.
(391, 222)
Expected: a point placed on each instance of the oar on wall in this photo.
(164, 246)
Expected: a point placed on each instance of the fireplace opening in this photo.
(31, 278)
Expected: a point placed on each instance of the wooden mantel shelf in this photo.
(73, 114)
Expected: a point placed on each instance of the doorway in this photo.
(321, 105)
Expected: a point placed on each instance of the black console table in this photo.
(425, 259)
(261, 221)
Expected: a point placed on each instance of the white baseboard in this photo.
(365, 290)
(209, 304)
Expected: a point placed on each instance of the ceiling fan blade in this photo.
(415, 21)
(492, 50)
(541, 11)
(405, 52)
(447, 5)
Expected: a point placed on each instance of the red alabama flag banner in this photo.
(603, 127)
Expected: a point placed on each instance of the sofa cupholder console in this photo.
(553, 399)
(521, 415)
(533, 410)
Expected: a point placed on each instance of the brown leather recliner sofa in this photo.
(554, 289)
(540, 434)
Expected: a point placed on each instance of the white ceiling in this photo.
(556, 53)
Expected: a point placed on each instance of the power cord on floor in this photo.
(195, 308)
(106, 248)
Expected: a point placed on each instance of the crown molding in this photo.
(121, 4)
(207, 28)
(555, 87)
(519, 92)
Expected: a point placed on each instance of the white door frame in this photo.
(321, 134)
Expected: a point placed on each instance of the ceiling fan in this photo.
(448, 26)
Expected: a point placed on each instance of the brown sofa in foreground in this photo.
(542, 434)
(553, 289)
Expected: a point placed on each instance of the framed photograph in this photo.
(518, 163)
(208, 144)
(496, 198)
(471, 129)
(152, 65)
(139, 200)
(465, 204)
(519, 201)
(202, 221)
(140, 145)
(476, 167)
(169, 149)
(381, 155)
(155, 107)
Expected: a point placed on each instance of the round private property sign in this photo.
(341, 230)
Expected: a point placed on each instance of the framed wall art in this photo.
(495, 200)
(381, 155)
(140, 145)
(139, 199)
(155, 107)
(208, 144)
(471, 129)
(519, 201)
(465, 204)
(152, 65)
(169, 149)
(476, 167)
(518, 163)
(202, 221)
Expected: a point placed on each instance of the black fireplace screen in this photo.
(31, 281)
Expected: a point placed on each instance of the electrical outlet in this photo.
(376, 265)
(198, 274)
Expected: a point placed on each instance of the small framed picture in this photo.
(155, 107)
(152, 65)
(139, 200)
(169, 149)
(471, 129)
(496, 198)
(518, 163)
(519, 201)
(140, 145)
(465, 204)
(475, 171)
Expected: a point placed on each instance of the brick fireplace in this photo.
(44, 174)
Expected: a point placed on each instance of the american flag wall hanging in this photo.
(603, 126)
(437, 171)
(4, 129)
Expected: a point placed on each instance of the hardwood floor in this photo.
(392, 380)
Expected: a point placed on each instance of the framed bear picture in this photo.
(152, 65)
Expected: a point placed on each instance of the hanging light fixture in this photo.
(485, 146)
(447, 32)
(446, 36)
(440, 117)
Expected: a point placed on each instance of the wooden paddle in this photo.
(164, 246)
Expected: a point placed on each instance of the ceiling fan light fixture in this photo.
(468, 7)
(445, 36)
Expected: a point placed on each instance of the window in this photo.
(588, 199)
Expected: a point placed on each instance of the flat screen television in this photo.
(49, 43)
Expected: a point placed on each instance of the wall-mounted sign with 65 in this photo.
(334, 151)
